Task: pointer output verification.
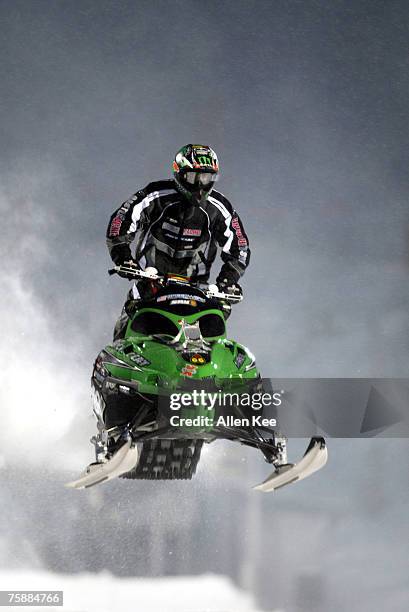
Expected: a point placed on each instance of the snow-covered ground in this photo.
(106, 593)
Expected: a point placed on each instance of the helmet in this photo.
(195, 170)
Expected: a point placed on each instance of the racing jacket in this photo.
(176, 236)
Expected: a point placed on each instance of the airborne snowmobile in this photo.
(175, 342)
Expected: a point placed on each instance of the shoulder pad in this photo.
(138, 196)
(221, 199)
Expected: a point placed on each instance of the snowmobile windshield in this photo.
(162, 314)
(211, 325)
(149, 323)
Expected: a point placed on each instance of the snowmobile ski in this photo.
(122, 461)
(314, 459)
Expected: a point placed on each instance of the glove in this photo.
(132, 264)
(228, 286)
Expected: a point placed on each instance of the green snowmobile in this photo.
(158, 392)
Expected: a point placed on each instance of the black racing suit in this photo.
(176, 236)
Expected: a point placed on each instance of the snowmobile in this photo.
(175, 343)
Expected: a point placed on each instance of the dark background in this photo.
(305, 103)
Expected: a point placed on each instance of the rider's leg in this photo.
(122, 322)
(120, 325)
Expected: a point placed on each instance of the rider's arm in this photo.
(124, 223)
(232, 239)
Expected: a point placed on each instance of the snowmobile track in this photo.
(163, 459)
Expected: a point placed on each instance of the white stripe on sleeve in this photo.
(227, 219)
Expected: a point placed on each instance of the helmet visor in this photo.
(200, 179)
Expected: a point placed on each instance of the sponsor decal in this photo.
(204, 160)
(189, 370)
(239, 233)
(186, 302)
(200, 150)
(125, 207)
(115, 226)
(238, 362)
(243, 257)
(179, 296)
(170, 227)
(139, 360)
(190, 231)
(121, 213)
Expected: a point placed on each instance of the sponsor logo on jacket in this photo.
(239, 233)
(188, 231)
(115, 226)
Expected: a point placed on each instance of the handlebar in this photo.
(134, 272)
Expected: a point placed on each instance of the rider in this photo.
(179, 224)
